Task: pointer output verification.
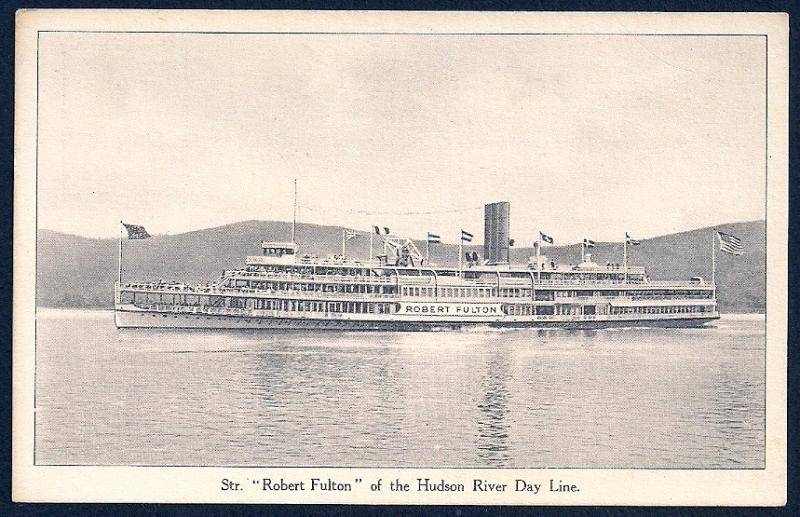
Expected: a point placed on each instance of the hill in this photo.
(76, 271)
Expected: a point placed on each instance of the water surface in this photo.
(622, 398)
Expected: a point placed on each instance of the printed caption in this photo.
(397, 485)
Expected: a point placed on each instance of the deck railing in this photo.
(181, 288)
(394, 297)
(238, 311)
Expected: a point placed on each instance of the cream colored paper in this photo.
(50, 35)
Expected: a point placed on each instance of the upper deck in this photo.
(347, 263)
(356, 273)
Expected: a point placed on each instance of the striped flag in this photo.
(730, 244)
(350, 234)
(466, 236)
(433, 238)
(135, 231)
(546, 238)
(589, 243)
(632, 242)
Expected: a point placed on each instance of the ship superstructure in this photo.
(398, 290)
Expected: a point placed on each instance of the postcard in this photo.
(400, 257)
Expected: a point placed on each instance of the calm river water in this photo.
(625, 398)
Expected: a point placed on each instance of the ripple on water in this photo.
(620, 398)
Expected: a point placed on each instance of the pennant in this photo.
(135, 231)
(730, 244)
(377, 230)
(385, 229)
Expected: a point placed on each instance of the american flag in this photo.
(730, 244)
(632, 242)
(135, 231)
(466, 236)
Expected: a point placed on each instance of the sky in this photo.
(585, 136)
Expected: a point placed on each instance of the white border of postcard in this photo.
(203, 484)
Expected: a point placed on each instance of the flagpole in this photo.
(583, 251)
(460, 253)
(119, 259)
(625, 257)
(714, 258)
(344, 242)
(538, 259)
(370, 247)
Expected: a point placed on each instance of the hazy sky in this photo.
(586, 136)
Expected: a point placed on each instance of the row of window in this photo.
(680, 309)
(386, 308)
(312, 287)
(527, 310)
(444, 292)
(301, 270)
(318, 306)
(544, 295)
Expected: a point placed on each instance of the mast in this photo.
(625, 257)
(714, 259)
(461, 255)
(119, 259)
(538, 244)
(294, 212)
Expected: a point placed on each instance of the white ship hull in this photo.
(125, 318)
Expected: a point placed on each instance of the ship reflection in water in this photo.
(625, 398)
(493, 427)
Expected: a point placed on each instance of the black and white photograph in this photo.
(401, 257)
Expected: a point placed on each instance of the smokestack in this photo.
(496, 232)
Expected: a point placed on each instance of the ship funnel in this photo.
(496, 232)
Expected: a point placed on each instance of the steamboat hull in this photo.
(166, 319)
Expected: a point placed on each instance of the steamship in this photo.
(398, 291)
